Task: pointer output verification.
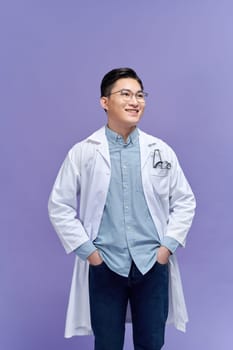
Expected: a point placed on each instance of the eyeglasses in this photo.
(127, 95)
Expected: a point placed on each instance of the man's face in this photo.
(122, 112)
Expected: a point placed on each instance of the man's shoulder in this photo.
(95, 138)
(151, 139)
(155, 142)
(86, 148)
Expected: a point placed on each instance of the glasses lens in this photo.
(140, 96)
(127, 95)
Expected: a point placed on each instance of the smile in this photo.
(132, 110)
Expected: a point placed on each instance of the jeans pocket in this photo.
(97, 266)
(162, 265)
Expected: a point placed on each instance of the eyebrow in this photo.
(130, 90)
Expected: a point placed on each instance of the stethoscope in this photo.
(158, 162)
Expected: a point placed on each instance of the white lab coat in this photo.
(86, 172)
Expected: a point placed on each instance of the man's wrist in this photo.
(170, 243)
(85, 250)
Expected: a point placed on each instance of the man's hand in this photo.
(95, 258)
(163, 255)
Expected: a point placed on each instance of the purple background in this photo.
(53, 55)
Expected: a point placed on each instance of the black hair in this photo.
(115, 74)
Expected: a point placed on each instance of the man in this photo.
(135, 210)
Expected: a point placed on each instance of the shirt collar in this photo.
(114, 137)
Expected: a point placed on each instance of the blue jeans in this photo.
(148, 298)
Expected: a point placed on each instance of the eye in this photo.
(125, 93)
(140, 95)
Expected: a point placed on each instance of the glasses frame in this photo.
(145, 94)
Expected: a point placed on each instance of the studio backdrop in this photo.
(53, 56)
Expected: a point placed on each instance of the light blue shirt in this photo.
(127, 231)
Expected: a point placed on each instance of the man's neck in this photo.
(124, 132)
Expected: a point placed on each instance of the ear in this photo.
(104, 102)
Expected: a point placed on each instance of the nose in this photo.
(133, 100)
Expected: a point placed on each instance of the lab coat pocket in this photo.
(160, 181)
(160, 172)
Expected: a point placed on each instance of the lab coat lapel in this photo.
(146, 147)
(99, 138)
(104, 151)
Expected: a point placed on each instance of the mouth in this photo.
(132, 110)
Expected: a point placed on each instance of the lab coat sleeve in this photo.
(181, 204)
(63, 206)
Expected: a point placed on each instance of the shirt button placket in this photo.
(125, 173)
